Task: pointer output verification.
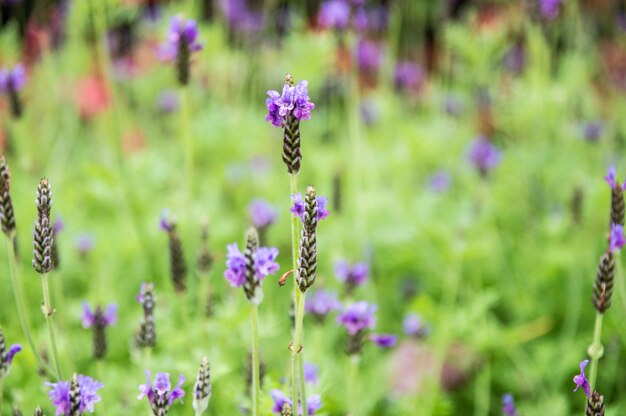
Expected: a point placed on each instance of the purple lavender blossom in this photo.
(408, 76)
(414, 326)
(12, 79)
(440, 181)
(165, 222)
(298, 206)
(313, 403)
(549, 9)
(321, 303)
(611, 179)
(310, 373)
(358, 317)
(180, 30)
(240, 18)
(262, 213)
(167, 101)
(581, 380)
(334, 14)
(368, 55)
(351, 275)
(515, 59)
(508, 405)
(592, 130)
(159, 394)
(294, 101)
(60, 395)
(6, 357)
(384, 340)
(484, 155)
(84, 243)
(58, 226)
(89, 316)
(616, 239)
(360, 19)
(264, 264)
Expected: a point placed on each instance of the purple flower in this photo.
(358, 317)
(264, 264)
(12, 79)
(91, 318)
(581, 380)
(14, 349)
(408, 76)
(351, 275)
(6, 357)
(298, 206)
(240, 18)
(161, 389)
(549, 9)
(616, 239)
(165, 222)
(384, 340)
(610, 178)
(414, 326)
(84, 243)
(313, 403)
(592, 130)
(321, 303)
(262, 213)
(58, 226)
(293, 101)
(440, 181)
(368, 55)
(310, 373)
(60, 395)
(180, 30)
(484, 155)
(515, 59)
(334, 14)
(508, 405)
(167, 102)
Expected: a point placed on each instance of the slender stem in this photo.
(353, 388)
(297, 295)
(48, 311)
(299, 342)
(256, 380)
(595, 351)
(185, 133)
(147, 358)
(1, 392)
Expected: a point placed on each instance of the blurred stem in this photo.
(353, 386)
(18, 293)
(256, 380)
(595, 351)
(482, 393)
(297, 349)
(185, 133)
(48, 311)
(1, 392)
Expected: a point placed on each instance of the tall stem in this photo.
(48, 311)
(256, 380)
(296, 296)
(1, 392)
(299, 341)
(185, 133)
(353, 388)
(595, 350)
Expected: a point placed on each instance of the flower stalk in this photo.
(256, 379)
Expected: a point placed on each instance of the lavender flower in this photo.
(414, 326)
(178, 266)
(77, 400)
(6, 357)
(84, 244)
(7, 215)
(440, 181)
(484, 155)
(307, 261)
(262, 213)
(160, 394)
(508, 405)
(42, 238)
(616, 239)
(204, 257)
(310, 373)
(408, 76)
(11, 82)
(368, 56)
(167, 102)
(334, 14)
(549, 9)
(181, 43)
(595, 404)
(592, 130)
(298, 207)
(581, 380)
(515, 59)
(313, 403)
(321, 303)
(99, 320)
(618, 208)
(202, 388)
(358, 317)
(240, 17)
(384, 340)
(352, 276)
(146, 336)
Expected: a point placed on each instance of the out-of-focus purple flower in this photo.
(360, 19)
(60, 395)
(264, 264)
(549, 9)
(12, 79)
(313, 403)
(161, 389)
(240, 17)
(414, 326)
(408, 76)
(321, 303)
(166, 223)
(351, 275)
(58, 226)
(334, 14)
(298, 207)
(440, 181)
(611, 179)
(89, 317)
(262, 213)
(581, 380)
(358, 317)
(368, 55)
(85, 243)
(484, 155)
(310, 373)
(180, 30)
(508, 405)
(294, 100)
(515, 59)
(167, 102)
(616, 240)
(6, 357)
(384, 340)
(453, 105)
(592, 130)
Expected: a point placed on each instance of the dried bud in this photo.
(7, 216)
(252, 287)
(42, 252)
(595, 404)
(307, 262)
(603, 287)
(178, 267)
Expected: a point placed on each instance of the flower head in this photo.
(414, 326)
(384, 340)
(12, 80)
(84, 243)
(592, 130)
(484, 155)
(581, 380)
(180, 32)
(98, 318)
(351, 275)
(611, 179)
(508, 405)
(310, 373)
(440, 181)
(298, 206)
(167, 101)
(262, 213)
(264, 264)
(60, 395)
(358, 317)
(321, 303)
(549, 9)
(334, 14)
(616, 239)
(294, 101)
(368, 55)
(6, 357)
(161, 394)
(313, 403)
(408, 76)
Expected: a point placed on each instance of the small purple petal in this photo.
(581, 380)
(384, 340)
(88, 316)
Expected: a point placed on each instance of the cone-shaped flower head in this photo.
(181, 43)
(11, 82)
(299, 207)
(160, 394)
(178, 266)
(98, 320)
(42, 241)
(38, 411)
(334, 14)
(307, 262)
(313, 403)
(75, 397)
(262, 214)
(357, 318)
(202, 388)
(6, 356)
(605, 279)
(508, 406)
(146, 336)
(595, 404)
(581, 380)
(618, 208)
(7, 215)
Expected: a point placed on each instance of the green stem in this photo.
(256, 380)
(18, 293)
(298, 342)
(1, 392)
(595, 351)
(48, 311)
(353, 388)
(296, 296)
(185, 133)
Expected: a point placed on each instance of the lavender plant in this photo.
(98, 320)
(352, 276)
(6, 358)
(11, 83)
(146, 335)
(75, 397)
(178, 267)
(160, 394)
(202, 388)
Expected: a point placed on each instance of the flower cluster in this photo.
(12, 79)
(408, 77)
(6, 357)
(321, 303)
(313, 403)
(146, 336)
(580, 379)
(298, 208)
(484, 155)
(508, 405)
(178, 266)
(75, 397)
(352, 276)
(549, 9)
(293, 102)
(262, 214)
(357, 318)
(181, 42)
(414, 326)
(160, 394)
(99, 320)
